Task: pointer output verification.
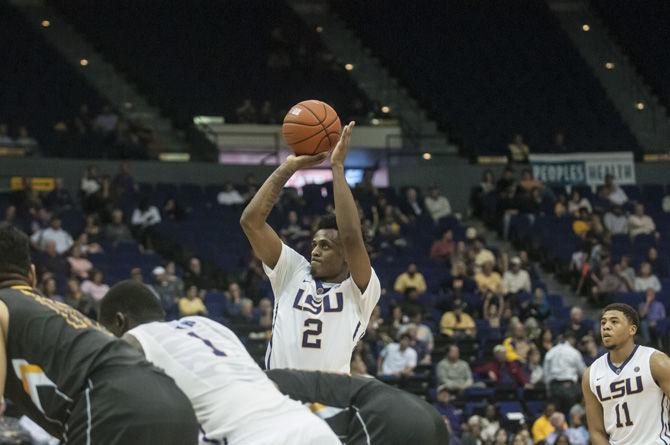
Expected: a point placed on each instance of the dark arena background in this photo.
(510, 164)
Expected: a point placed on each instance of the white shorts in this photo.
(297, 428)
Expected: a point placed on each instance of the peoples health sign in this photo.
(583, 168)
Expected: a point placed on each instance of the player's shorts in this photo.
(293, 428)
(131, 406)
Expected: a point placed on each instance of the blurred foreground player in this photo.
(71, 377)
(322, 307)
(363, 410)
(627, 390)
(234, 400)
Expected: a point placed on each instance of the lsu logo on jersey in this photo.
(329, 303)
(620, 388)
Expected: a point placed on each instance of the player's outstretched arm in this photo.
(346, 214)
(660, 371)
(594, 413)
(264, 240)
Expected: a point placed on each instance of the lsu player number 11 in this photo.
(322, 307)
(626, 390)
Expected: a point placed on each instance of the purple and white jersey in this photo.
(233, 399)
(316, 325)
(635, 409)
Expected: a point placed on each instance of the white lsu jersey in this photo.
(316, 325)
(635, 409)
(234, 401)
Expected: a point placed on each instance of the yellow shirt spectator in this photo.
(193, 306)
(580, 227)
(489, 282)
(452, 323)
(410, 279)
(541, 429)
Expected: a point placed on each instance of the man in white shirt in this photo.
(639, 223)
(229, 196)
(234, 401)
(616, 222)
(515, 279)
(438, 205)
(646, 279)
(54, 233)
(397, 359)
(563, 366)
(322, 307)
(613, 192)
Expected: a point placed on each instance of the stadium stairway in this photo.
(100, 74)
(373, 78)
(553, 286)
(624, 86)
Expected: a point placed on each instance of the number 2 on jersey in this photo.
(314, 327)
(624, 408)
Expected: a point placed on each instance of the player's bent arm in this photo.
(346, 215)
(660, 371)
(264, 240)
(594, 413)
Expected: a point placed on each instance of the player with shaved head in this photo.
(626, 390)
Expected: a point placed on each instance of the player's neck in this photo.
(618, 356)
(335, 279)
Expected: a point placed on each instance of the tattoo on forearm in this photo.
(268, 195)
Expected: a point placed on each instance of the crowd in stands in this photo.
(467, 326)
(284, 58)
(101, 134)
(610, 242)
(21, 138)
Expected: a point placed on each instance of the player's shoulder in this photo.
(657, 358)
(597, 364)
(374, 285)
(292, 256)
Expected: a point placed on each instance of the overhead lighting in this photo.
(586, 27)
(385, 109)
(640, 105)
(374, 121)
(319, 29)
(46, 23)
(427, 156)
(83, 62)
(609, 65)
(348, 67)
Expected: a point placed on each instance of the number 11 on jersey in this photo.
(626, 413)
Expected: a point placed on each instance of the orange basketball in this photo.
(311, 127)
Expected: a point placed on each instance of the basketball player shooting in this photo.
(626, 390)
(322, 307)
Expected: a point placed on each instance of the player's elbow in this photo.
(247, 220)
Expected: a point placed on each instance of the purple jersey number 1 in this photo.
(209, 344)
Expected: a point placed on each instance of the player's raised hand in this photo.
(306, 161)
(342, 148)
